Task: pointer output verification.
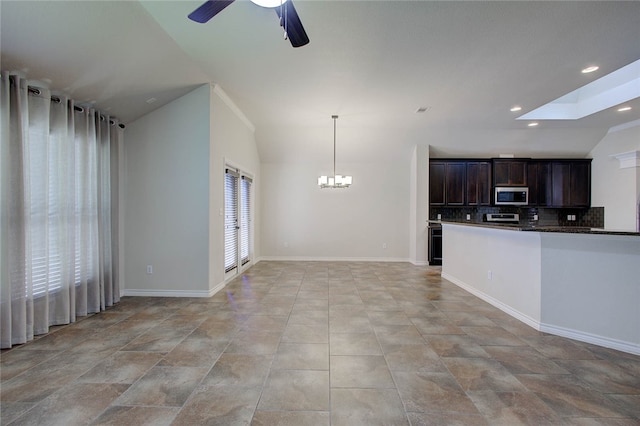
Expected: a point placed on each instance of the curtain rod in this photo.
(56, 99)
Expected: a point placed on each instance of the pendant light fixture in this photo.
(335, 181)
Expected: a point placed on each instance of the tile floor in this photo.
(316, 343)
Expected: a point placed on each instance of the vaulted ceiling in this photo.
(374, 63)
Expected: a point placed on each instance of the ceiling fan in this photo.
(289, 20)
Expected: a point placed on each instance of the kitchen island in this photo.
(583, 285)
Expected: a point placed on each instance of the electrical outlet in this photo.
(573, 217)
(569, 217)
(439, 216)
(535, 217)
(384, 246)
(149, 269)
(468, 217)
(489, 275)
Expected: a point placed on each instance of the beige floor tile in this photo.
(316, 343)
(163, 386)
(296, 390)
(366, 407)
(302, 356)
(360, 371)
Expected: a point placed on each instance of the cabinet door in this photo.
(478, 183)
(435, 246)
(509, 172)
(436, 183)
(539, 179)
(561, 184)
(580, 183)
(454, 183)
(571, 183)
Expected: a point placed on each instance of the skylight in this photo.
(613, 89)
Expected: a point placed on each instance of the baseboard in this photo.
(531, 322)
(580, 336)
(332, 259)
(173, 293)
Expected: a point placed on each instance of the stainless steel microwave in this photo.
(511, 196)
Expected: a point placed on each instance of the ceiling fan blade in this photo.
(295, 31)
(208, 10)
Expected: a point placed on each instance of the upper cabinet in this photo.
(571, 183)
(539, 182)
(509, 172)
(478, 183)
(558, 183)
(447, 183)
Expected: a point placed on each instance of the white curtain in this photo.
(58, 179)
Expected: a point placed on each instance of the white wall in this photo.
(618, 190)
(174, 189)
(351, 223)
(591, 285)
(166, 198)
(500, 266)
(233, 142)
(419, 205)
(581, 286)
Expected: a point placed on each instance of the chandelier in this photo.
(335, 181)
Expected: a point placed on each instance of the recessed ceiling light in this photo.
(534, 124)
(625, 108)
(423, 109)
(515, 108)
(592, 68)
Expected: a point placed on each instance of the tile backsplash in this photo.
(592, 217)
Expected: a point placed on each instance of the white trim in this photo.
(624, 126)
(498, 304)
(333, 259)
(580, 336)
(420, 263)
(172, 293)
(233, 107)
(628, 159)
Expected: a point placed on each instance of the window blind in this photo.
(230, 220)
(245, 219)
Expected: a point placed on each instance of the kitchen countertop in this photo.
(535, 228)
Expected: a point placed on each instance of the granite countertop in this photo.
(535, 228)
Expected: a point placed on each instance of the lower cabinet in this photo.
(435, 245)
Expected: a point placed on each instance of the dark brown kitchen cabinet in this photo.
(435, 245)
(447, 183)
(571, 183)
(478, 183)
(539, 182)
(509, 172)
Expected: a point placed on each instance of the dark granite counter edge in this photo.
(557, 229)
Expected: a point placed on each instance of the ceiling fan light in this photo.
(269, 3)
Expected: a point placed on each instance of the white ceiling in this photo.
(374, 63)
